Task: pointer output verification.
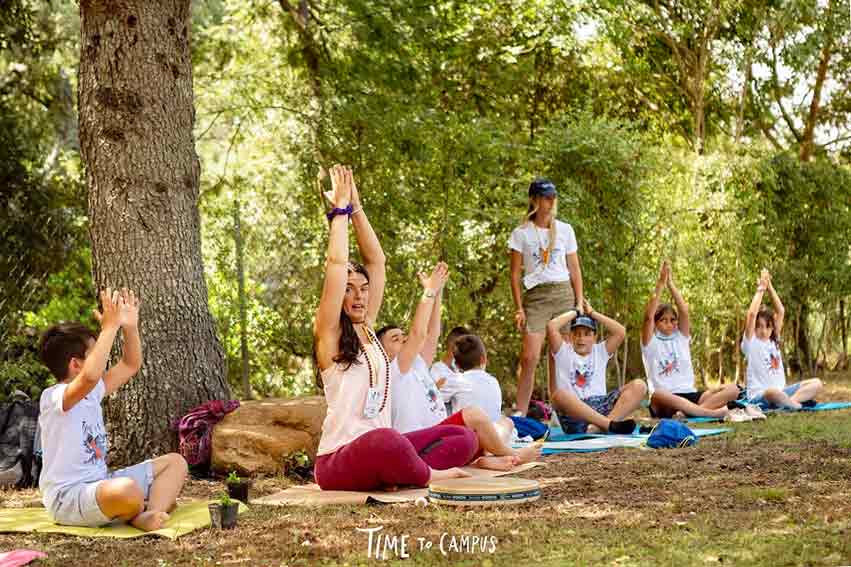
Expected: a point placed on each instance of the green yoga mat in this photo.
(185, 518)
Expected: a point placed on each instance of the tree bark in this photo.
(136, 120)
(808, 142)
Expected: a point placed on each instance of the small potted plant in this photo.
(237, 487)
(223, 512)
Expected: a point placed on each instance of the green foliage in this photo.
(233, 478)
(20, 368)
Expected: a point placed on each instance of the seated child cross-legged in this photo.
(665, 351)
(76, 487)
(766, 376)
(579, 395)
(418, 404)
(476, 398)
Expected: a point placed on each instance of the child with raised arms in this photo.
(666, 353)
(579, 394)
(766, 375)
(417, 403)
(76, 486)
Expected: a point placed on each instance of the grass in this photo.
(772, 493)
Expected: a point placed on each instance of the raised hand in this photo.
(669, 275)
(437, 279)
(129, 316)
(111, 304)
(587, 310)
(341, 183)
(662, 280)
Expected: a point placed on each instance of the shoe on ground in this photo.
(737, 416)
(625, 427)
(754, 411)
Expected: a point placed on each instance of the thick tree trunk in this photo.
(136, 119)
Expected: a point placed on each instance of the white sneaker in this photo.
(754, 411)
(737, 415)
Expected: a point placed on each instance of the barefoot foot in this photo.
(529, 454)
(150, 520)
(494, 463)
(454, 472)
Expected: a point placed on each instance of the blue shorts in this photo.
(766, 405)
(77, 505)
(601, 404)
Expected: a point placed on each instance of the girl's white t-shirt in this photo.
(584, 375)
(531, 242)
(765, 366)
(667, 362)
(416, 400)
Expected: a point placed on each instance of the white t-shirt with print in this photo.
(416, 400)
(765, 366)
(475, 388)
(585, 376)
(667, 362)
(73, 442)
(531, 241)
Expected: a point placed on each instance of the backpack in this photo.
(670, 434)
(19, 465)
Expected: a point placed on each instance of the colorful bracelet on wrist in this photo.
(337, 212)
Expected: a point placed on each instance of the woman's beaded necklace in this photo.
(372, 365)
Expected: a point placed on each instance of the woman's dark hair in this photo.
(767, 315)
(662, 309)
(349, 341)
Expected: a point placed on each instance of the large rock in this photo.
(259, 434)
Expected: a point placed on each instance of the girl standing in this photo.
(546, 279)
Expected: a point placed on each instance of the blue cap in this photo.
(542, 187)
(584, 321)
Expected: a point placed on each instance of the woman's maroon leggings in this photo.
(384, 457)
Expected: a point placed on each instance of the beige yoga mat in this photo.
(184, 519)
(312, 495)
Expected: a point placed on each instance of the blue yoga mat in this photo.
(561, 436)
(818, 407)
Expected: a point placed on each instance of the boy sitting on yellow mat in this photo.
(76, 487)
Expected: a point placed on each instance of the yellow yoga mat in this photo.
(184, 519)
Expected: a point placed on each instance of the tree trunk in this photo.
(136, 120)
(808, 143)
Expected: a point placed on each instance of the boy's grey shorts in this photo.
(77, 505)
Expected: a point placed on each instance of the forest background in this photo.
(714, 133)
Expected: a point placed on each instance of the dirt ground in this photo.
(772, 493)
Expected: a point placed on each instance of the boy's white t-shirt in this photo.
(765, 366)
(667, 362)
(585, 376)
(440, 370)
(475, 388)
(531, 241)
(73, 442)
(416, 400)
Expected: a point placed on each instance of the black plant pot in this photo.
(239, 490)
(223, 517)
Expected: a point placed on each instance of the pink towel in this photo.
(20, 557)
